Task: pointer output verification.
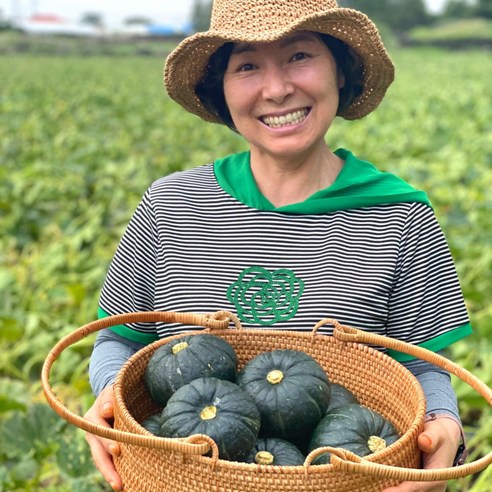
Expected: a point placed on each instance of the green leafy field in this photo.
(82, 138)
(458, 30)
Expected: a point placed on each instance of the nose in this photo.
(277, 85)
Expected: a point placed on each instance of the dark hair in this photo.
(350, 65)
(210, 89)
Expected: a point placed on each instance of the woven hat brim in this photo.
(187, 64)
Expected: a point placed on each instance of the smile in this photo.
(288, 119)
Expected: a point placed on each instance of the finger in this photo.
(439, 433)
(111, 447)
(428, 442)
(432, 438)
(106, 404)
(107, 410)
(101, 414)
(104, 463)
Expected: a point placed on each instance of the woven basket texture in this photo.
(376, 379)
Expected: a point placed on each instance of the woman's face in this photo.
(283, 95)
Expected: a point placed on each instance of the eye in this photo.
(299, 56)
(246, 67)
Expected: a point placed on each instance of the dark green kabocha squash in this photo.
(275, 451)
(153, 424)
(340, 396)
(355, 428)
(180, 361)
(290, 389)
(220, 409)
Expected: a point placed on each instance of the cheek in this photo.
(239, 96)
(333, 85)
(230, 96)
(226, 90)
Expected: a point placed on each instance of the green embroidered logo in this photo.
(266, 297)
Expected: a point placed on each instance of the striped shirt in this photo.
(193, 246)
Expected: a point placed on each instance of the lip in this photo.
(285, 111)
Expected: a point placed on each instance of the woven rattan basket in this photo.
(149, 463)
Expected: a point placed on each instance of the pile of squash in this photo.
(274, 411)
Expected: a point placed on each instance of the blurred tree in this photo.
(459, 9)
(484, 8)
(398, 15)
(403, 15)
(200, 15)
(137, 20)
(93, 19)
(376, 9)
(4, 23)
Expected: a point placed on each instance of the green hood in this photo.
(359, 184)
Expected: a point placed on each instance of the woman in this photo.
(291, 231)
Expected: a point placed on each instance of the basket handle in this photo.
(345, 460)
(194, 445)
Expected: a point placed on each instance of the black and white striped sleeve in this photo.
(130, 282)
(426, 305)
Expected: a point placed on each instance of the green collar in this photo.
(359, 184)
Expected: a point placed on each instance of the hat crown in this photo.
(257, 17)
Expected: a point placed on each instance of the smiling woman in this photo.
(302, 230)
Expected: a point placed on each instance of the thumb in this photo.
(429, 441)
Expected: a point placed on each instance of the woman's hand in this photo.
(101, 412)
(438, 443)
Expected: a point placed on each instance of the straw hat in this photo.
(269, 20)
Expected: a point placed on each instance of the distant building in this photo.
(52, 24)
(166, 30)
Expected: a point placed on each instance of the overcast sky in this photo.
(161, 11)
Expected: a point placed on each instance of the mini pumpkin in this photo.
(220, 409)
(276, 452)
(180, 361)
(290, 389)
(355, 428)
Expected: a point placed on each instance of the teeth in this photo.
(285, 120)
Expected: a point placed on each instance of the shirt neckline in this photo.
(358, 184)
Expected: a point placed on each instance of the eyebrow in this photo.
(249, 47)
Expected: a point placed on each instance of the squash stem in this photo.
(179, 347)
(275, 376)
(264, 458)
(376, 443)
(208, 413)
